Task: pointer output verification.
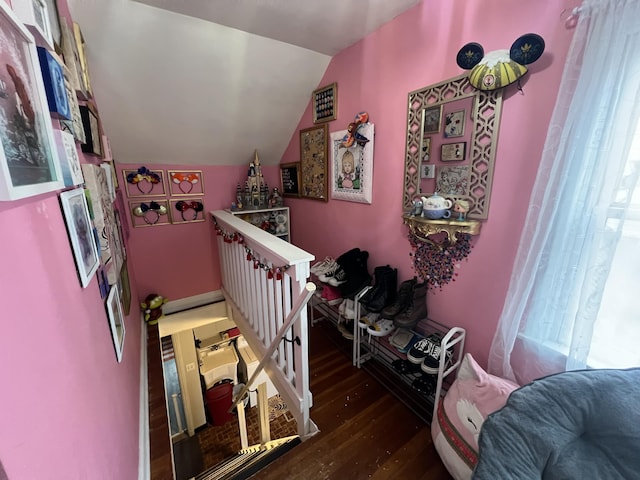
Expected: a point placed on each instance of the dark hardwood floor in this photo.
(365, 432)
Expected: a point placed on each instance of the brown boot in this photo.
(416, 310)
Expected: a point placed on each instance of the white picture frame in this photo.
(80, 230)
(116, 321)
(28, 155)
(355, 185)
(36, 17)
(69, 159)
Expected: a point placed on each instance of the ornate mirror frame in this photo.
(487, 106)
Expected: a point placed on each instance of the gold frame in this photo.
(180, 192)
(314, 164)
(324, 102)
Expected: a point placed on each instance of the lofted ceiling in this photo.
(205, 82)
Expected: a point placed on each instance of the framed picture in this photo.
(92, 134)
(149, 213)
(72, 59)
(54, 22)
(452, 180)
(144, 182)
(69, 160)
(352, 168)
(185, 182)
(28, 157)
(188, 210)
(314, 170)
(35, 15)
(325, 103)
(116, 321)
(454, 124)
(428, 171)
(53, 78)
(73, 126)
(83, 244)
(425, 149)
(82, 55)
(290, 179)
(451, 152)
(431, 119)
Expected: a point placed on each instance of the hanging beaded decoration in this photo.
(150, 213)
(436, 264)
(272, 271)
(195, 208)
(144, 176)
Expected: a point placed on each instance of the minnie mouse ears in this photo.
(500, 68)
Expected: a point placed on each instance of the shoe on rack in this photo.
(403, 299)
(381, 328)
(431, 362)
(337, 278)
(346, 329)
(329, 273)
(331, 295)
(384, 288)
(368, 319)
(357, 274)
(403, 339)
(347, 309)
(425, 384)
(323, 266)
(429, 346)
(416, 309)
(404, 367)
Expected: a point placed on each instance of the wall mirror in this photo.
(452, 135)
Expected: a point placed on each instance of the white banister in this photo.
(264, 282)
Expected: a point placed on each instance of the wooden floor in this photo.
(365, 432)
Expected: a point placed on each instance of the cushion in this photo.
(472, 397)
(577, 424)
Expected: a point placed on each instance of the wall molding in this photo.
(144, 459)
(181, 304)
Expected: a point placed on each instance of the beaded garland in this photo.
(437, 264)
(229, 237)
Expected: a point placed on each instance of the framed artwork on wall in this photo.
(451, 152)
(314, 171)
(82, 55)
(83, 243)
(431, 119)
(28, 155)
(325, 103)
(454, 124)
(35, 15)
(290, 179)
(73, 126)
(115, 314)
(72, 59)
(185, 182)
(149, 213)
(69, 160)
(53, 78)
(352, 167)
(452, 180)
(92, 134)
(189, 210)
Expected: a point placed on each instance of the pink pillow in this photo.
(472, 397)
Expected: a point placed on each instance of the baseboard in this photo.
(181, 304)
(144, 459)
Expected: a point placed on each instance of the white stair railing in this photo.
(264, 278)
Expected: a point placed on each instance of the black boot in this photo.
(357, 274)
(402, 301)
(416, 310)
(383, 292)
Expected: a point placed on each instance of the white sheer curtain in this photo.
(569, 238)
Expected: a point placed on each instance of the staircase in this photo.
(248, 461)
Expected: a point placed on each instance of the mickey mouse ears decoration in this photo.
(500, 68)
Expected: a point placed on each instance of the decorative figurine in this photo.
(276, 199)
(152, 308)
(461, 207)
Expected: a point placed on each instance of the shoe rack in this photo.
(377, 355)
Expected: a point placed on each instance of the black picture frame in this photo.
(91, 126)
(290, 179)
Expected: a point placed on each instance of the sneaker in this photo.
(423, 348)
(331, 295)
(338, 278)
(425, 384)
(381, 328)
(346, 329)
(324, 277)
(322, 267)
(431, 363)
(404, 339)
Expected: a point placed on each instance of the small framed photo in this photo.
(290, 179)
(452, 152)
(188, 210)
(428, 171)
(83, 243)
(431, 119)
(425, 149)
(116, 321)
(69, 160)
(454, 124)
(53, 77)
(185, 182)
(35, 15)
(325, 103)
(453, 181)
(92, 133)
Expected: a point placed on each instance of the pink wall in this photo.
(68, 408)
(181, 260)
(417, 49)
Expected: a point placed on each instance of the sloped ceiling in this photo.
(205, 82)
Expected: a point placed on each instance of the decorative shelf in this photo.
(422, 227)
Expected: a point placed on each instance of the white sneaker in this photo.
(323, 266)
